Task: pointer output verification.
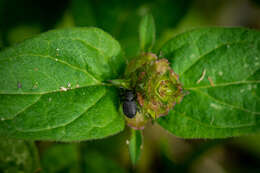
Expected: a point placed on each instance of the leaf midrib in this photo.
(59, 61)
(197, 89)
(224, 103)
(69, 122)
(210, 51)
(223, 84)
(55, 60)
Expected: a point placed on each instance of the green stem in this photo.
(120, 83)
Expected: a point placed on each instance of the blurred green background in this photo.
(161, 151)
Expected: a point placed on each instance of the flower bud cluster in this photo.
(156, 85)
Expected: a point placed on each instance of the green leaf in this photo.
(18, 156)
(220, 70)
(135, 145)
(52, 86)
(147, 33)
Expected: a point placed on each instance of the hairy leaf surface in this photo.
(52, 86)
(220, 70)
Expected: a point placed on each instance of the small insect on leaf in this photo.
(129, 104)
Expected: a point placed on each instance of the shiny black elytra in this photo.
(129, 104)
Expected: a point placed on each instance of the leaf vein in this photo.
(226, 104)
(65, 124)
(203, 55)
(223, 84)
(25, 108)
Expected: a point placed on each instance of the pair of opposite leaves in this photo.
(52, 85)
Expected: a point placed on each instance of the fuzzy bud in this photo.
(156, 85)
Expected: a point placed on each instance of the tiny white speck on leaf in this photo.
(69, 85)
(220, 73)
(50, 99)
(56, 59)
(127, 142)
(202, 76)
(192, 55)
(57, 49)
(63, 88)
(77, 86)
(215, 106)
(2, 119)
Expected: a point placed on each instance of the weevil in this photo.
(129, 103)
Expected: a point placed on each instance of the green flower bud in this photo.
(156, 85)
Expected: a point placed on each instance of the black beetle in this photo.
(129, 104)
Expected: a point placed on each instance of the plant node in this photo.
(156, 85)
